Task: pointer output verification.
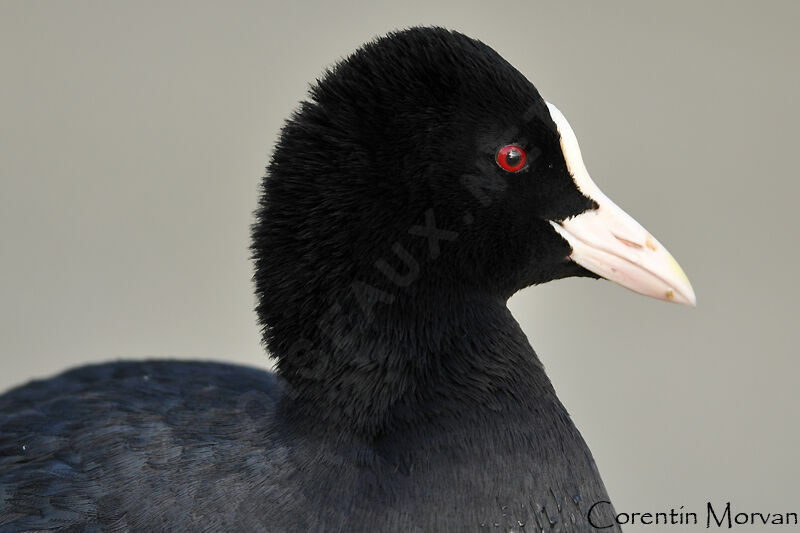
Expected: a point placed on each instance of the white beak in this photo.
(610, 243)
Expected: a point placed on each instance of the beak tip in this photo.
(685, 289)
(685, 296)
(692, 299)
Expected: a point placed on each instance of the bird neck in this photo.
(462, 361)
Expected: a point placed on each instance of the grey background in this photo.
(133, 137)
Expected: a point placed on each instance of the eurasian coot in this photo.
(422, 184)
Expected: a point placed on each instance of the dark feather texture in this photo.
(407, 398)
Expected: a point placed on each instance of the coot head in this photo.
(425, 169)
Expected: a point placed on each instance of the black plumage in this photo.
(407, 398)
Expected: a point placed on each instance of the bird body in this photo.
(423, 183)
(185, 446)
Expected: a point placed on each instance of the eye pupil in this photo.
(511, 158)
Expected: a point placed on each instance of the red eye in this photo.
(511, 158)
